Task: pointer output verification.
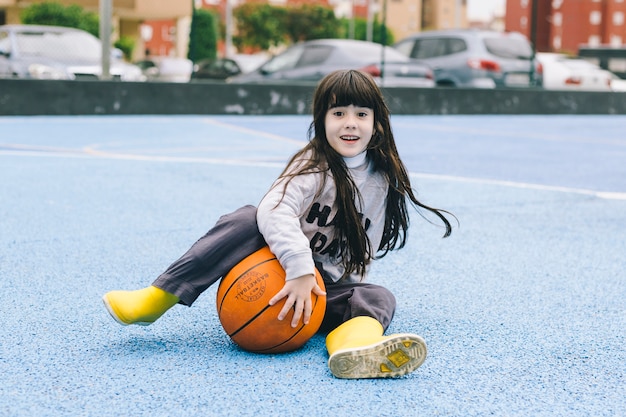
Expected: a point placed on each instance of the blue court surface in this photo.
(523, 307)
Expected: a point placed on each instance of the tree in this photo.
(203, 36)
(360, 30)
(55, 14)
(311, 22)
(259, 26)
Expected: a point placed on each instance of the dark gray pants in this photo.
(236, 236)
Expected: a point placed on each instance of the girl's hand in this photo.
(298, 292)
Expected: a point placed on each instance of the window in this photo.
(595, 17)
(285, 61)
(456, 45)
(405, 47)
(556, 42)
(617, 64)
(429, 48)
(557, 19)
(314, 55)
(594, 40)
(616, 41)
(618, 18)
(146, 32)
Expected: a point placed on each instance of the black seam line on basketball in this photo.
(249, 321)
(240, 275)
(294, 335)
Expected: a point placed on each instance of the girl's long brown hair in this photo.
(343, 88)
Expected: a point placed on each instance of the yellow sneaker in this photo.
(358, 349)
(142, 307)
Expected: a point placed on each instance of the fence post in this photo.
(106, 14)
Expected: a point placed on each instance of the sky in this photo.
(483, 9)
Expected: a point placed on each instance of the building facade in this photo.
(565, 25)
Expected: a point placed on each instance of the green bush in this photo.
(51, 13)
(126, 44)
(203, 36)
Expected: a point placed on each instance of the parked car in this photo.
(166, 69)
(222, 68)
(310, 61)
(475, 58)
(51, 52)
(607, 57)
(618, 84)
(561, 72)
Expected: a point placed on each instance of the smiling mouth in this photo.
(350, 138)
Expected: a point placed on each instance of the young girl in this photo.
(340, 203)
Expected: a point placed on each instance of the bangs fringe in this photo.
(352, 88)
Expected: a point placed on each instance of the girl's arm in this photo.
(278, 218)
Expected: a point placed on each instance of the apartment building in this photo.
(564, 25)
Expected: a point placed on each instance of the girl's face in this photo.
(349, 129)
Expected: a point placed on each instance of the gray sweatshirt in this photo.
(298, 229)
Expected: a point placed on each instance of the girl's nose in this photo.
(350, 121)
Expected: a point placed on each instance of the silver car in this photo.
(475, 58)
(310, 61)
(59, 53)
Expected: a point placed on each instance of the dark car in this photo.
(223, 68)
(53, 52)
(475, 58)
(310, 61)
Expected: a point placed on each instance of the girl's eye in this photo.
(362, 114)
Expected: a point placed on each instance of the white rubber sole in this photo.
(395, 356)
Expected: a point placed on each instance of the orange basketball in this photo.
(244, 311)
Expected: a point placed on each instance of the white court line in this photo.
(18, 150)
(47, 152)
(253, 132)
(607, 195)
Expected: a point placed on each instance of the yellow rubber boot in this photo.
(358, 349)
(142, 307)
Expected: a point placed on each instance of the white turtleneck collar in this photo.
(356, 161)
